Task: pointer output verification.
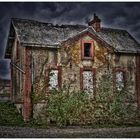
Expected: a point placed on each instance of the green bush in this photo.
(9, 115)
(67, 107)
(64, 108)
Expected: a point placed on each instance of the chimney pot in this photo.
(95, 23)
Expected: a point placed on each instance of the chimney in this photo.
(95, 23)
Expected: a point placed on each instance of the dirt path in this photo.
(75, 132)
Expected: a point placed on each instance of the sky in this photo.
(124, 15)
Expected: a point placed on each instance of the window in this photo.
(87, 50)
(120, 79)
(88, 80)
(54, 78)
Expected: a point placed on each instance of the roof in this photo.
(35, 32)
(47, 34)
(120, 40)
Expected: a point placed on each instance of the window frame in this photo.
(118, 69)
(91, 50)
(59, 68)
(94, 77)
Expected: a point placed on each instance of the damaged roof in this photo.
(44, 33)
(34, 32)
(120, 40)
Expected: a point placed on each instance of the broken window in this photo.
(53, 79)
(88, 81)
(88, 76)
(119, 80)
(87, 49)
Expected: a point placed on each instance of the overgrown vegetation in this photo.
(69, 107)
(66, 107)
(9, 115)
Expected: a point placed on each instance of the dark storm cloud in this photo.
(123, 15)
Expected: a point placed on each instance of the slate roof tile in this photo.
(30, 31)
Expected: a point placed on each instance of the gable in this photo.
(10, 42)
(73, 51)
(88, 35)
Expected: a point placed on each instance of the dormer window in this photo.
(87, 50)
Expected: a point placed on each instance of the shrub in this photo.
(9, 115)
(66, 107)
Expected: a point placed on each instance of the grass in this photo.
(9, 115)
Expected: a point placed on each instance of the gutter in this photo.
(55, 46)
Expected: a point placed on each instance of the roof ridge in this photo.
(47, 23)
(30, 20)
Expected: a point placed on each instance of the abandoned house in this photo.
(78, 53)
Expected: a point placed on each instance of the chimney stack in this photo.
(95, 23)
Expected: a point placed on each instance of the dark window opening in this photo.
(87, 48)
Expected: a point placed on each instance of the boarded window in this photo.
(53, 79)
(119, 80)
(88, 84)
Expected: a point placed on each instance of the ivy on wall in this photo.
(101, 53)
(71, 53)
(75, 53)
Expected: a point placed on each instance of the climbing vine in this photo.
(101, 53)
(39, 84)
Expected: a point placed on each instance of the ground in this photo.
(12, 126)
(73, 132)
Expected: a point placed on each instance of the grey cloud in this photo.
(124, 15)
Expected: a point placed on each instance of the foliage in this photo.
(64, 108)
(39, 85)
(9, 115)
(111, 105)
(70, 107)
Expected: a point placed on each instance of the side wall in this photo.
(138, 79)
